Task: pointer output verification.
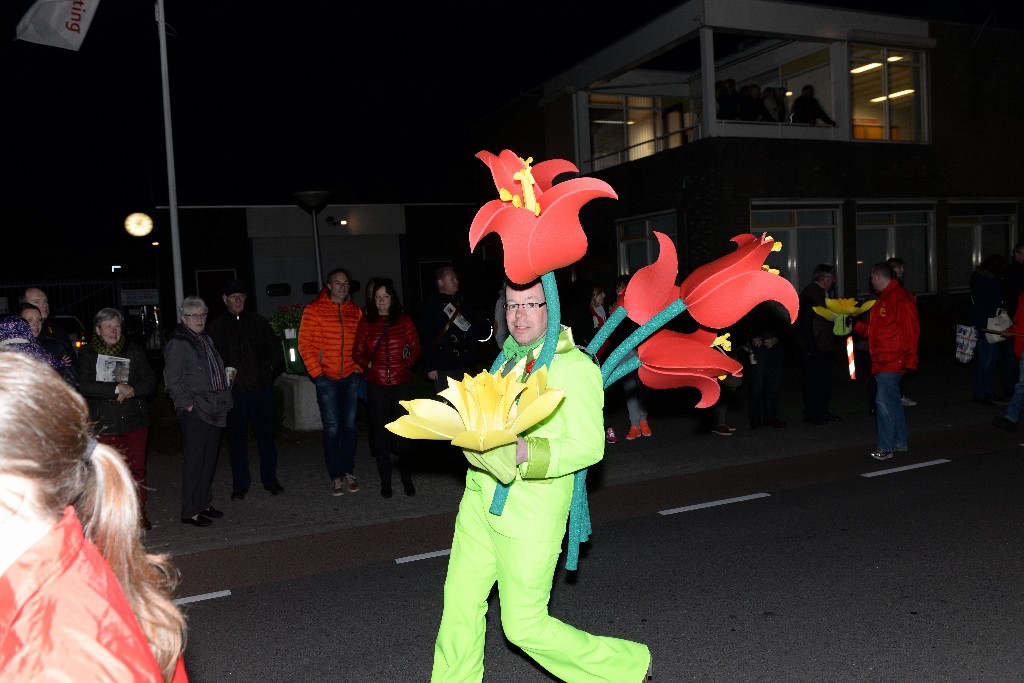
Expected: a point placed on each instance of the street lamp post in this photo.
(314, 201)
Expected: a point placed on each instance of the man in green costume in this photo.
(520, 547)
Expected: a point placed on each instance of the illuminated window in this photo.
(624, 128)
(887, 102)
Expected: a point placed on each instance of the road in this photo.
(795, 569)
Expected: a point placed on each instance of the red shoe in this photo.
(634, 433)
(645, 428)
(609, 436)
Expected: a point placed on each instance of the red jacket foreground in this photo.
(63, 616)
(386, 366)
(892, 330)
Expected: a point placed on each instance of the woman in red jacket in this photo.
(75, 605)
(386, 348)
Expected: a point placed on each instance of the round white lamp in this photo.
(138, 225)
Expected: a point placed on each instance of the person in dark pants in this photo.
(387, 346)
(196, 383)
(247, 343)
(816, 345)
(763, 332)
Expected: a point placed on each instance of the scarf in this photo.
(203, 341)
(105, 349)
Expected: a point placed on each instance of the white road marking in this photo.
(904, 468)
(423, 556)
(713, 503)
(200, 598)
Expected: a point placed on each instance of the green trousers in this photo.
(524, 570)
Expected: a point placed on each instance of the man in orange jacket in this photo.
(327, 337)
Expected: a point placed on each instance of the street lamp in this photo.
(138, 224)
(314, 201)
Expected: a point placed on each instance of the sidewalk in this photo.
(942, 389)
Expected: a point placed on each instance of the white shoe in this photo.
(907, 401)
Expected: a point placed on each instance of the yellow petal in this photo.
(483, 441)
(538, 410)
(441, 414)
(824, 313)
(415, 428)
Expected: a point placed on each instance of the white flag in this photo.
(60, 23)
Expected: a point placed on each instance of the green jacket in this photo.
(570, 439)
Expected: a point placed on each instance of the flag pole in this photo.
(172, 190)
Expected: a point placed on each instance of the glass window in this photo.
(628, 128)
(638, 247)
(903, 233)
(886, 93)
(808, 237)
(971, 239)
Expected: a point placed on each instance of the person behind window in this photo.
(806, 109)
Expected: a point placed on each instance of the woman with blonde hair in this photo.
(80, 599)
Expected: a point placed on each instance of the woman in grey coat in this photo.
(196, 383)
(118, 398)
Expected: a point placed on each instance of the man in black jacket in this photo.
(247, 344)
(449, 345)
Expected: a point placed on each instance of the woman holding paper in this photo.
(116, 380)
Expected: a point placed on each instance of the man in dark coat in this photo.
(446, 335)
(247, 343)
(815, 336)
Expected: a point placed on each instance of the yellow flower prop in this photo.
(489, 411)
(838, 310)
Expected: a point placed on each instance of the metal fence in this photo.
(80, 298)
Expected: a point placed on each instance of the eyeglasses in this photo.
(196, 315)
(529, 306)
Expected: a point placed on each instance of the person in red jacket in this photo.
(892, 332)
(327, 335)
(80, 598)
(387, 346)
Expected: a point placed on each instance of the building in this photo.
(925, 160)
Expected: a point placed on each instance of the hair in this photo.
(896, 261)
(371, 284)
(884, 269)
(192, 303)
(396, 305)
(45, 432)
(1018, 248)
(106, 314)
(439, 273)
(821, 271)
(993, 264)
(335, 272)
(26, 306)
(23, 297)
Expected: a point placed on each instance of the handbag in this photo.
(966, 340)
(1000, 322)
(362, 393)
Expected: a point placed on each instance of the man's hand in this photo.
(432, 375)
(522, 451)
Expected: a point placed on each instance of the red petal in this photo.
(708, 386)
(546, 171)
(723, 306)
(481, 224)
(653, 287)
(750, 255)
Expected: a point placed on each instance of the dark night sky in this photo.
(372, 101)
